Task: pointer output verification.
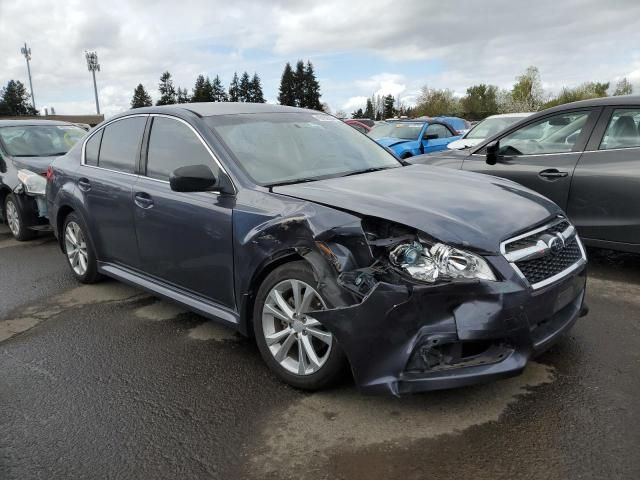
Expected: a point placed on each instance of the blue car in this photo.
(459, 124)
(414, 137)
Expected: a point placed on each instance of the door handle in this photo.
(143, 200)
(84, 184)
(552, 174)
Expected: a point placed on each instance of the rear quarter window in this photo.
(92, 148)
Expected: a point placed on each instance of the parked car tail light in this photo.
(49, 173)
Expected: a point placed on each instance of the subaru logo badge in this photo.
(556, 244)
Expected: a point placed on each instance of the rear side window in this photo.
(121, 144)
(623, 130)
(92, 148)
(172, 145)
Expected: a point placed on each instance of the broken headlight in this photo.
(33, 183)
(439, 261)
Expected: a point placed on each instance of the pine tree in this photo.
(234, 89)
(256, 94)
(357, 113)
(140, 97)
(200, 90)
(217, 91)
(287, 93)
(183, 96)
(368, 111)
(167, 90)
(298, 83)
(14, 100)
(388, 110)
(244, 92)
(208, 90)
(311, 89)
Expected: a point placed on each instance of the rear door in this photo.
(442, 137)
(184, 239)
(105, 180)
(605, 195)
(542, 154)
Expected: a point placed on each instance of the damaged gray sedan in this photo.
(295, 229)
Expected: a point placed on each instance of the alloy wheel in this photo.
(13, 218)
(76, 248)
(298, 342)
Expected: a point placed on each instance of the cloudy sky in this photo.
(359, 47)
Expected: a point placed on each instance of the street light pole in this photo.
(93, 66)
(26, 51)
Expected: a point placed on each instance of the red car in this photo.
(361, 127)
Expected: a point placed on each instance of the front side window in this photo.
(172, 145)
(437, 129)
(623, 130)
(556, 134)
(40, 140)
(120, 145)
(277, 148)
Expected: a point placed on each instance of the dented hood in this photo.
(461, 208)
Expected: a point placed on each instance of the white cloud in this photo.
(471, 42)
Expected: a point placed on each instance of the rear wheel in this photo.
(15, 220)
(79, 251)
(295, 346)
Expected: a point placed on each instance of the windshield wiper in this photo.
(366, 170)
(54, 154)
(291, 182)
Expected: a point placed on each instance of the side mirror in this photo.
(493, 151)
(192, 178)
(430, 136)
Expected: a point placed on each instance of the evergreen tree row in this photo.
(241, 89)
(300, 88)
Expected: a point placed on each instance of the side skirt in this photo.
(194, 303)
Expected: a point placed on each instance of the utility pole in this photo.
(93, 66)
(26, 51)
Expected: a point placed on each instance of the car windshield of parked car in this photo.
(405, 130)
(556, 134)
(381, 130)
(40, 140)
(277, 148)
(490, 126)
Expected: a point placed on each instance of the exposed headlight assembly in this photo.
(439, 261)
(34, 184)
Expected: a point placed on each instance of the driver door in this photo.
(436, 138)
(543, 154)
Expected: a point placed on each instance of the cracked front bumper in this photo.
(404, 339)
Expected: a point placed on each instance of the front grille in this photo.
(539, 269)
(545, 253)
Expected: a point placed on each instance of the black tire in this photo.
(91, 274)
(22, 233)
(334, 366)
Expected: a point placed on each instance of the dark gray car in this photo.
(292, 227)
(585, 156)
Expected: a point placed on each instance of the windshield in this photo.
(277, 148)
(40, 140)
(380, 130)
(490, 126)
(405, 131)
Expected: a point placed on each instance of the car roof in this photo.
(615, 101)
(18, 123)
(512, 115)
(210, 109)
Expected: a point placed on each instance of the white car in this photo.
(487, 128)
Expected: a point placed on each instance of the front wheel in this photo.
(295, 346)
(15, 220)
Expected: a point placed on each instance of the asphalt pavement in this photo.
(105, 381)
